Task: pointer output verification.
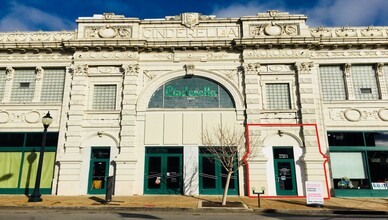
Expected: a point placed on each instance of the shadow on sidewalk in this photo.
(99, 200)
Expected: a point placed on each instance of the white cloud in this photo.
(24, 18)
(325, 12)
(349, 13)
(250, 8)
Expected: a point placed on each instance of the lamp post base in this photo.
(35, 198)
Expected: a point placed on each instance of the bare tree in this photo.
(228, 145)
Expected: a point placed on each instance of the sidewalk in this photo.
(378, 206)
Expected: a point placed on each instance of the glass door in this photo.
(99, 170)
(284, 172)
(163, 171)
(212, 176)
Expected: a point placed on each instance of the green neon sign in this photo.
(171, 91)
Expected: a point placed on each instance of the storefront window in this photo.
(359, 160)
(348, 169)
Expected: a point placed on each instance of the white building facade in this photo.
(131, 98)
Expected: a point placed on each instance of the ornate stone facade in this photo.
(271, 65)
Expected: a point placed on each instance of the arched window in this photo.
(191, 92)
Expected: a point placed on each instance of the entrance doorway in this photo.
(212, 175)
(163, 170)
(99, 170)
(284, 171)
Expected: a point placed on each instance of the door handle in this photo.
(277, 179)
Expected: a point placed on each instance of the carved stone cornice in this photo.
(274, 29)
(190, 19)
(38, 36)
(108, 31)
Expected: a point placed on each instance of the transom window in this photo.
(191, 92)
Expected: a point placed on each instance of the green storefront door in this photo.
(99, 170)
(212, 176)
(284, 172)
(163, 171)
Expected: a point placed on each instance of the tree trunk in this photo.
(226, 187)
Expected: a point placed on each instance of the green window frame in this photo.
(19, 162)
(367, 149)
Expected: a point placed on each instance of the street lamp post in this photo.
(35, 196)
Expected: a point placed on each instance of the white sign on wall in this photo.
(314, 193)
(379, 186)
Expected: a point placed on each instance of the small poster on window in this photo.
(379, 186)
(314, 193)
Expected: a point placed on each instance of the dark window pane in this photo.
(285, 176)
(283, 153)
(378, 166)
(11, 139)
(376, 139)
(345, 138)
(173, 175)
(154, 172)
(101, 153)
(225, 99)
(156, 99)
(208, 173)
(160, 150)
(52, 139)
(35, 139)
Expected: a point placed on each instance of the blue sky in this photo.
(56, 15)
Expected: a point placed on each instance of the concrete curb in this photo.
(213, 210)
(322, 212)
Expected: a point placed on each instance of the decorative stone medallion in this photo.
(352, 114)
(4, 117)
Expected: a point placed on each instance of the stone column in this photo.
(381, 81)
(257, 164)
(310, 116)
(348, 81)
(10, 72)
(69, 179)
(38, 83)
(127, 159)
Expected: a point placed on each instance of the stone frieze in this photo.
(40, 36)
